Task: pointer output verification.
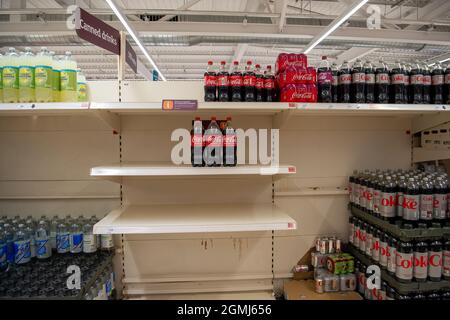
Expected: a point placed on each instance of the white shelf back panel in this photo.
(151, 91)
(104, 91)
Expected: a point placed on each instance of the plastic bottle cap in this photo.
(222, 62)
(257, 66)
(324, 57)
(228, 118)
(235, 62)
(249, 62)
(210, 62)
(213, 118)
(197, 118)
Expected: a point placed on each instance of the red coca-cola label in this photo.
(447, 78)
(269, 83)
(406, 80)
(405, 264)
(229, 140)
(223, 81)
(358, 77)
(259, 83)
(345, 79)
(427, 80)
(299, 93)
(210, 81)
(417, 79)
(285, 60)
(249, 80)
(235, 81)
(294, 75)
(213, 140)
(196, 140)
(382, 78)
(437, 80)
(370, 78)
(397, 79)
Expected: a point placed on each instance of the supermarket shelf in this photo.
(193, 218)
(426, 154)
(312, 191)
(153, 170)
(403, 288)
(396, 231)
(53, 108)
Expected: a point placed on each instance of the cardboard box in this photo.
(306, 260)
(304, 290)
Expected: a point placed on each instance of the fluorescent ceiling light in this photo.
(334, 25)
(445, 60)
(133, 34)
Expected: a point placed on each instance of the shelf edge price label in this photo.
(179, 105)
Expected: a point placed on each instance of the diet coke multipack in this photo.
(214, 146)
(408, 198)
(296, 81)
(248, 85)
(407, 261)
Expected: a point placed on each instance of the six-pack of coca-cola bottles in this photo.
(250, 85)
(214, 146)
(409, 198)
(407, 261)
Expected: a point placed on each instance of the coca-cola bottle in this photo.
(351, 233)
(197, 143)
(397, 87)
(213, 141)
(335, 83)
(446, 260)
(418, 296)
(426, 201)
(324, 80)
(435, 261)
(369, 192)
(406, 79)
(358, 82)
(236, 83)
(416, 85)
(440, 201)
(249, 80)
(223, 85)
(433, 296)
(382, 83)
(447, 85)
(356, 223)
(210, 82)
(426, 98)
(392, 256)
(269, 85)
(420, 268)
(411, 204)
(229, 145)
(383, 250)
(369, 240)
(388, 204)
(345, 83)
(437, 84)
(370, 82)
(363, 237)
(401, 189)
(405, 256)
(377, 186)
(259, 84)
(376, 245)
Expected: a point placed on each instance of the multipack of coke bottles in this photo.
(214, 146)
(368, 83)
(407, 261)
(408, 198)
(250, 85)
(386, 292)
(296, 82)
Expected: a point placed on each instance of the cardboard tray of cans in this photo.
(403, 288)
(399, 233)
(105, 260)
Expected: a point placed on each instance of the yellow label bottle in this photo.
(26, 77)
(82, 87)
(43, 76)
(56, 87)
(1, 77)
(11, 77)
(69, 79)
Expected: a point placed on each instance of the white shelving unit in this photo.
(158, 170)
(189, 218)
(426, 154)
(52, 108)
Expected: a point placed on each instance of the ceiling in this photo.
(181, 35)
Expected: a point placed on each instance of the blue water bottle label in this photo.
(42, 247)
(108, 287)
(22, 253)
(10, 251)
(62, 243)
(76, 242)
(2, 254)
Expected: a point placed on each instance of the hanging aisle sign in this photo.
(97, 32)
(130, 57)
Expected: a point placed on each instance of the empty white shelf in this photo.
(51, 108)
(149, 170)
(192, 218)
(426, 154)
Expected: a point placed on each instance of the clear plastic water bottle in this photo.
(53, 228)
(93, 221)
(3, 249)
(30, 229)
(43, 241)
(89, 238)
(22, 251)
(62, 238)
(9, 236)
(76, 237)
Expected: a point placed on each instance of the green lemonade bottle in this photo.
(11, 77)
(43, 76)
(68, 79)
(26, 76)
(56, 87)
(82, 87)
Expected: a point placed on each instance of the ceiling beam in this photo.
(185, 6)
(281, 8)
(432, 10)
(353, 54)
